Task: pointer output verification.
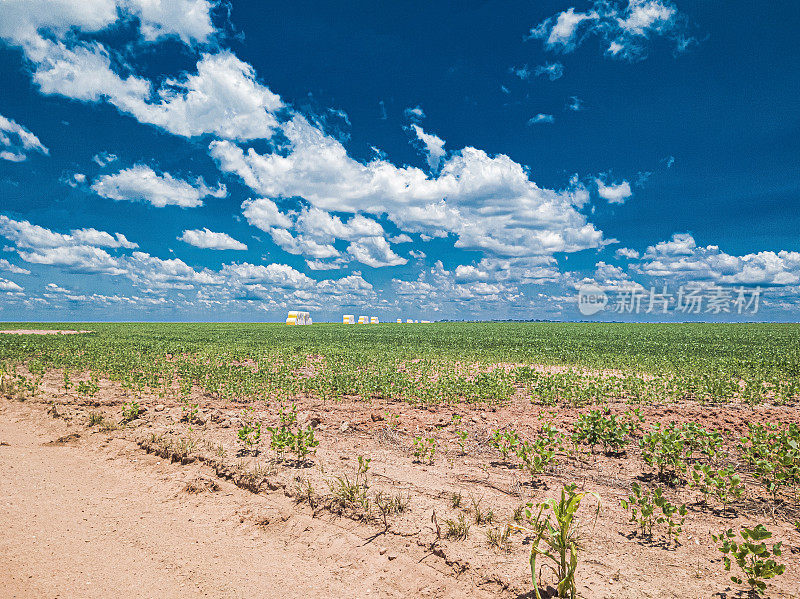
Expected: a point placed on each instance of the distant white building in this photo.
(348, 319)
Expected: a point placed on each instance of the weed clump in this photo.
(457, 529)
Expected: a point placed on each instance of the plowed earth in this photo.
(104, 511)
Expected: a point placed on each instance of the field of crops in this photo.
(457, 434)
(434, 362)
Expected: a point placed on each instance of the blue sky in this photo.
(201, 160)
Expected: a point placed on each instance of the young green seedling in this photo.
(555, 538)
(752, 556)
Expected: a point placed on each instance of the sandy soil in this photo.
(94, 515)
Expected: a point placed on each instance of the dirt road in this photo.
(88, 517)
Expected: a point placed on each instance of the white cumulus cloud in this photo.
(16, 141)
(614, 193)
(682, 258)
(190, 20)
(104, 158)
(27, 235)
(414, 113)
(626, 27)
(311, 232)
(222, 98)
(211, 240)
(541, 118)
(142, 183)
(487, 203)
(6, 285)
(17, 270)
(627, 253)
(433, 146)
(560, 31)
(553, 70)
(375, 252)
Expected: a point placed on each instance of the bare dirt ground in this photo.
(90, 516)
(87, 512)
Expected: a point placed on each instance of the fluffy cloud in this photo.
(681, 244)
(272, 286)
(553, 70)
(23, 19)
(488, 203)
(682, 258)
(278, 285)
(375, 252)
(77, 258)
(17, 270)
(433, 146)
(203, 238)
(265, 214)
(436, 289)
(9, 286)
(560, 31)
(74, 181)
(606, 276)
(625, 28)
(16, 141)
(279, 275)
(575, 104)
(142, 183)
(83, 72)
(102, 239)
(645, 16)
(53, 288)
(322, 225)
(522, 72)
(614, 193)
(518, 270)
(153, 272)
(541, 118)
(223, 99)
(190, 20)
(303, 246)
(81, 250)
(104, 158)
(30, 236)
(414, 113)
(316, 230)
(626, 253)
